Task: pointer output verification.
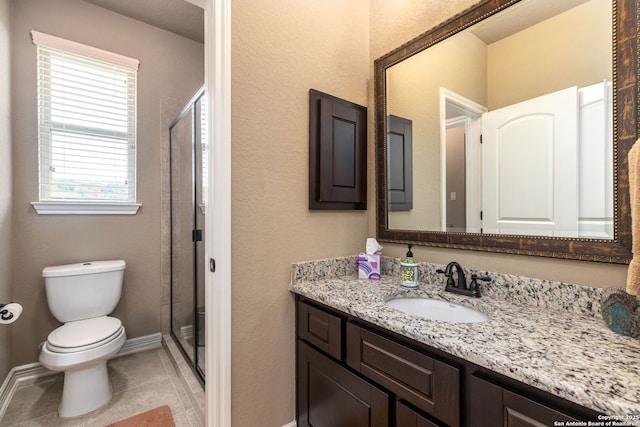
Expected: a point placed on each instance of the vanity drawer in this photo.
(321, 329)
(429, 384)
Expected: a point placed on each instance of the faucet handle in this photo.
(474, 286)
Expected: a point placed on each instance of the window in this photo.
(87, 128)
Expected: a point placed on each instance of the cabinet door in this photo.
(494, 406)
(331, 396)
(407, 417)
(321, 329)
(429, 384)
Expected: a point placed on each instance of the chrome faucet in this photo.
(459, 286)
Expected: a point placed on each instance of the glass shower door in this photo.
(188, 209)
(201, 159)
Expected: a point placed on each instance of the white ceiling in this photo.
(520, 16)
(182, 17)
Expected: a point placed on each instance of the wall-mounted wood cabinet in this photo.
(337, 153)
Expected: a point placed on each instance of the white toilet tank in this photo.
(84, 290)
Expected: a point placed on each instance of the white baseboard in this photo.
(291, 424)
(24, 375)
(146, 342)
(20, 376)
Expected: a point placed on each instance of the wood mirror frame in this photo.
(625, 133)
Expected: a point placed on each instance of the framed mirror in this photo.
(506, 129)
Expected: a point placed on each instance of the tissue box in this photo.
(369, 266)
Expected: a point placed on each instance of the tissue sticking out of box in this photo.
(369, 261)
(372, 246)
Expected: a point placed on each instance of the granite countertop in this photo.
(549, 335)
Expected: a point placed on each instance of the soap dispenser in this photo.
(409, 271)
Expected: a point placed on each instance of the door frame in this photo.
(217, 31)
(472, 119)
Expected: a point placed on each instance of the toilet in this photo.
(82, 296)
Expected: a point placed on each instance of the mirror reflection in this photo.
(506, 127)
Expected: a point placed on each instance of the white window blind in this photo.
(87, 123)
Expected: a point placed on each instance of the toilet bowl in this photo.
(89, 337)
(86, 381)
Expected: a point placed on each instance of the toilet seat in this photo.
(83, 335)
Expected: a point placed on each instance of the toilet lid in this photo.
(84, 332)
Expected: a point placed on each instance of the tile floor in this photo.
(140, 381)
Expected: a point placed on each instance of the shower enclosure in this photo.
(188, 176)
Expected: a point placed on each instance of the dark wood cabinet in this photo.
(427, 383)
(331, 396)
(409, 417)
(495, 406)
(322, 329)
(337, 153)
(351, 373)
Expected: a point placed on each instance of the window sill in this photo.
(85, 208)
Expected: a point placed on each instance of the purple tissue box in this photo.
(369, 266)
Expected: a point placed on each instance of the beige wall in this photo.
(6, 236)
(281, 49)
(171, 67)
(396, 22)
(393, 24)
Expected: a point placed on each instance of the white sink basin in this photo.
(434, 309)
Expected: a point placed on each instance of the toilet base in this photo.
(85, 390)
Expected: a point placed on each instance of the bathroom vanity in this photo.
(534, 362)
